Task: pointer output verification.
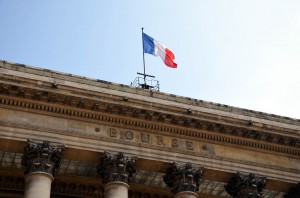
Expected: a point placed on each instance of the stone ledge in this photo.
(159, 95)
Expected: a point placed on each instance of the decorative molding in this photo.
(42, 156)
(245, 185)
(258, 143)
(116, 167)
(183, 178)
(12, 71)
(109, 104)
(294, 192)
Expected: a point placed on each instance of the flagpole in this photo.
(144, 57)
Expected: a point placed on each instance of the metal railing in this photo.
(145, 84)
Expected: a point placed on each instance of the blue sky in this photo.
(240, 53)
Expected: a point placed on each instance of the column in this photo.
(245, 185)
(184, 180)
(40, 161)
(293, 192)
(116, 171)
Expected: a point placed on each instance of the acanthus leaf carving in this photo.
(42, 157)
(183, 178)
(116, 167)
(245, 185)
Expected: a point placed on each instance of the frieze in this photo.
(204, 135)
(208, 123)
(155, 140)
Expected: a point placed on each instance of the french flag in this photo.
(151, 46)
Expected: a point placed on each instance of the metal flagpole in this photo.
(145, 86)
(144, 56)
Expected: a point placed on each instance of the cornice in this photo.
(61, 79)
(208, 135)
(117, 110)
(121, 105)
(86, 96)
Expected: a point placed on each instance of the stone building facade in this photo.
(64, 136)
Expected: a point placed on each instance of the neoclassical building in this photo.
(64, 136)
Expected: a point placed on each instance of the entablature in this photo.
(120, 111)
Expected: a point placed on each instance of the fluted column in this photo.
(245, 185)
(116, 171)
(184, 180)
(294, 192)
(40, 161)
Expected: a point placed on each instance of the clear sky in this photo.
(243, 53)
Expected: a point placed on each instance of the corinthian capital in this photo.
(42, 156)
(116, 167)
(246, 185)
(183, 178)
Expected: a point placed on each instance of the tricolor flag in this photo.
(155, 48)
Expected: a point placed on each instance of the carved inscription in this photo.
(175, 143)
(145, 137)
(112, 132)
(189, 145)
(154, 139)
(129, 135)
(160, 141)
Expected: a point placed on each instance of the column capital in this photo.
(294, 192)
(42, 156)
(115, 167)
(243, 185)
(183, 178)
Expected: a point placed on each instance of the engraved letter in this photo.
(145, 137)
(129, 135)
(189, 145)
(175, 143)
(112, 132)
(160, 140)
